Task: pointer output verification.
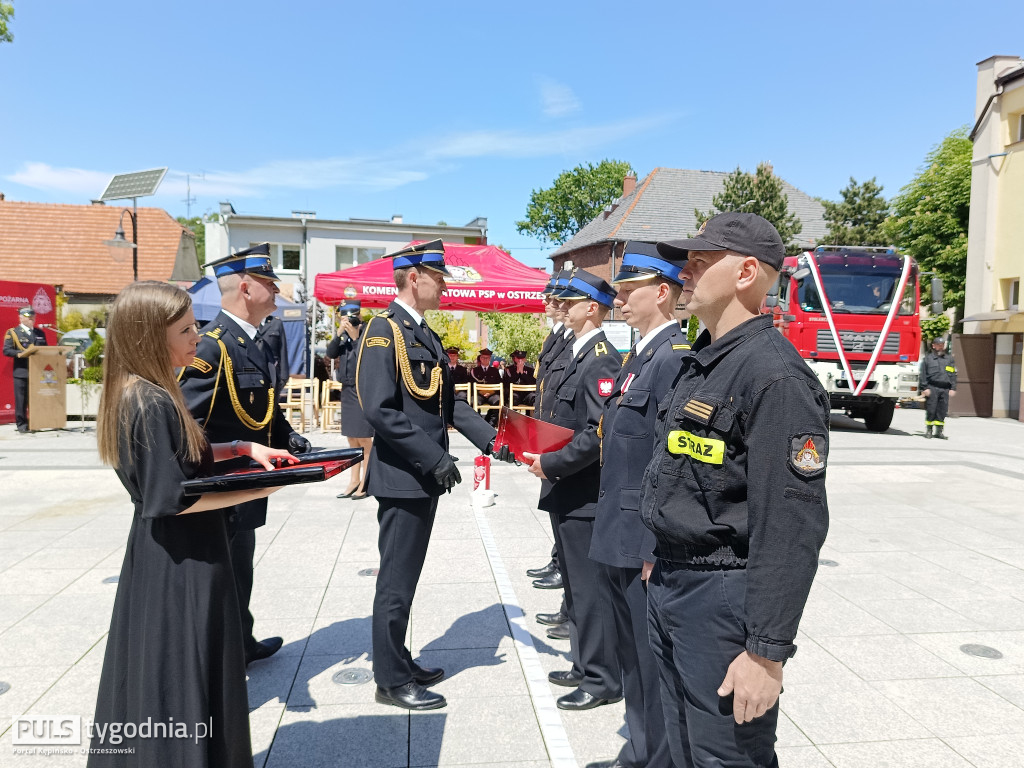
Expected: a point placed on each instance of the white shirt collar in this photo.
(557, 327)
(416, 316)
(249, 328)
(27, 329)
(577, 345)
(642, 344)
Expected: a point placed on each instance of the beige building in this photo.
(993, 320)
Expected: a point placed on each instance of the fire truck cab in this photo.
(853, 314)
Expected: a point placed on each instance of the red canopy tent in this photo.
(484, 279)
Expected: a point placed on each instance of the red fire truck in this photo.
(853, 314)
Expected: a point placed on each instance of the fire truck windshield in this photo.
(855, 290)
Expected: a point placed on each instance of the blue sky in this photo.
(449, 111)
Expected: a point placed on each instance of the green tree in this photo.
(555, 214)
(6, 14)
(453, 332)
(930, 215)
(857, 218)
(198, 227)
(509, 331)
(759, 192)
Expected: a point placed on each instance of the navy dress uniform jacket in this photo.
(410, 434)
(346, 349)
(231, 394)
(550, 370)
(16, 340)
(576, 401)
(627, 438)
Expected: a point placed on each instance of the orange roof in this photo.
(63, 245)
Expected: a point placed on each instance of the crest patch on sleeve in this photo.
(604, 387)
(807, 453)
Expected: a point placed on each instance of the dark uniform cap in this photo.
(26, 312)
(584, 285)
(429, 255)
(350, 308)
(561, 279)
(485, 351)
(452, 351)
(252, 261)
(939, 340)
(641, 261)
(745, 233)
(550, 287)
(519, 354)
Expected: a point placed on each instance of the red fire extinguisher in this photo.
(482, 472)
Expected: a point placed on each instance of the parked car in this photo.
(79, 339)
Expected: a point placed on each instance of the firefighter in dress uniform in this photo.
(229, 389)
(17, 340)
(938, 384)
(407, 394)
(569, 491)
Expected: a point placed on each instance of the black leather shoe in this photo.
(540, 573)
(579, 700)
(554, 581)
(552, 619)
(428, 675)
(263, 649)
(559, 632)
(568, 679)
(412, 695)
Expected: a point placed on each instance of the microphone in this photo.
(46, 325)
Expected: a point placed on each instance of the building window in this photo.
(1020, 128)
(291, 258)
(348, 256)
(1014, 302)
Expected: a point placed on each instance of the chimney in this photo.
(396, 219)
(96, 202)
(628, 184)
(1, 197)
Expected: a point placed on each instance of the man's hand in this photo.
(926, 392)
(446, 473)
(755, 684)
(298, 444)
(503, 454)
(952, 393)
(645, 571)
(532, 461)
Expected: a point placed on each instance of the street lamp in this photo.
(119, 247)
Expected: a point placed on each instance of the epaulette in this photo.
(680, 346)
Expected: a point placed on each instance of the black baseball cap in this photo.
(745, 233)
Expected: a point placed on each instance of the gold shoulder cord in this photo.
(16, 340)
(244, 417)
(402, 359)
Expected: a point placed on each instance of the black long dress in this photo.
(174, 657)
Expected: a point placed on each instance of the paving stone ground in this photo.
(926, 551)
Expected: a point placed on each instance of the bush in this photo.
(93, 374)
(933, 327)
(93, 354)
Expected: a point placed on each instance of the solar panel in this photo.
(137, 184)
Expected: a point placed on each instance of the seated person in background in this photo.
(483, 373)
(459, 373)
(518, 372)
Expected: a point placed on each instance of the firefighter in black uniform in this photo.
(16, 341)
(649, 287)
(408, 398)
(520, 374)
(735, 495)
(354, 426)
(569, 491)
(229, 388)
(938, 384)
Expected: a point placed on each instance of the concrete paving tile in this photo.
(458, 531)
(827, 614)
(496, 763)
(947, 646)
(997, 751)
(263, 723)
(27, 542)
(886, 657)
(326, 737)
(92, 611)
(27, 683)
(346, 573)
(595, 734)
(64, 645)
(13, 608)
(786, 732)
(473, 673)
(972, 565)
(452, 549)
(801, 757)
(1010, 687)
(955, 706)
(84, 538)
(864, 588)
(437, 570)
(92, 582)
(359, 550)
(484, 628)
(828, 714)
(73, 694)
(270, 681)
(506, 725)
(1011, 556)
(314, 686)
(273, 603)
(354, 599)
(342, 638)
(921, 615)
(915, 753)
(20, 580)
(84, 558)
(813, 664)
(295, 632)
(295, 575)
(999, 613)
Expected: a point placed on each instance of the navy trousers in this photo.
(696, 630)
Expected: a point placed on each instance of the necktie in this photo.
(430, 335)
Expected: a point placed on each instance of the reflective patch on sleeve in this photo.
(377, 341)
(706, 449)
(200, 365)
(950, 369)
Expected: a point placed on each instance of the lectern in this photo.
(47, 387)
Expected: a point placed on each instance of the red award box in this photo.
(313, 467)
(523, 434)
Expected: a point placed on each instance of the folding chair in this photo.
(466, 389)
(521, 388)
(330, 410)
(486, 390)
(298, 392)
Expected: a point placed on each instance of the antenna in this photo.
(188, 192)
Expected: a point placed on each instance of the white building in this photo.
(303, 246)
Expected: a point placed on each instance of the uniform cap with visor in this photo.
(584, 285)
(744, 233)
(251, 261)
(429, 255)
(26, 312)
(642, 261)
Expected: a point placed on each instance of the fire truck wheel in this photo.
(880, 418)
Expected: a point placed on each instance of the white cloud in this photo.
(557, 100)
(397, 167)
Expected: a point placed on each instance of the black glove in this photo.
(298, 444)
(503, 454)
(446, 473)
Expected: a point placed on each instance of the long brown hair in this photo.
(136, 351)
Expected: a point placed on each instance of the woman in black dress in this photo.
(172, 689)
(354, 426)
